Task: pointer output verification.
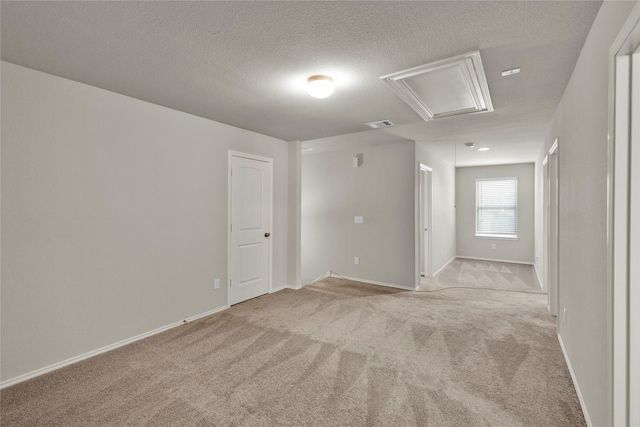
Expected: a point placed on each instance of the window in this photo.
(497, 208)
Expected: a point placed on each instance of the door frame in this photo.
(229, 205)
(424, 172)
(623, 232)
(545, 227)
(553, 238)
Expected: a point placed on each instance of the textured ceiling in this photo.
(245, 63)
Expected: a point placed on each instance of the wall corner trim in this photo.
(92, 353)
(575, 384)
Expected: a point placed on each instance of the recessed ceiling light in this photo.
(469, 144)
(484, 149)
(510, 72)
(320, 86)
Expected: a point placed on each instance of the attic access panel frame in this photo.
(470, 71)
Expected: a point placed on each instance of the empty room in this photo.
(331, 213)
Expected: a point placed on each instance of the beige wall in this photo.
(381, 190)
(518, 250)
(114, 216)
(580, 124)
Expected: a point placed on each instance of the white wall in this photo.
(114, 216)
(381, 190)
(443, 244)
(518, 250)
(580, 124)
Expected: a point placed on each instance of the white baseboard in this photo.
(575, 383)
(284, 287)
(496, 260)
(538, 276)
(75, 359)
(443, 267)
(373, 282)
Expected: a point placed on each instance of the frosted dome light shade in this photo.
(320, 86)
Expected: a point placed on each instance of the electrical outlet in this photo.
(356, 260)
(493, 246)
(564, 317)
(216, 284)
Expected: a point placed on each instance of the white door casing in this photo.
(553, 230)
(624, 222)
(545, 228)
(425, 229)
(250, 220)
(634, 245)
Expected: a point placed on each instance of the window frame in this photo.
(502, 236)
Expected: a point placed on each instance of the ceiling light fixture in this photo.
(320, 86)
(484, 149)
(469, 144)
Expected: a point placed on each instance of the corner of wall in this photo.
(294, 216)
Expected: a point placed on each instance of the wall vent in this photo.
(444, 88)
(380, 124)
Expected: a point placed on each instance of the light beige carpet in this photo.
(470, 273)
(333, 353)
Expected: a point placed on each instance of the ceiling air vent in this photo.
(444, 88)
(380, 124)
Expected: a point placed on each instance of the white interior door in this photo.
(250, 228)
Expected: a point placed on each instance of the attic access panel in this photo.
(444, 88)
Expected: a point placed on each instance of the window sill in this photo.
(496, 237)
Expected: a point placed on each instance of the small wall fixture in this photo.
(320, 86)
(469, 144)
(358, 160)
(510, 72)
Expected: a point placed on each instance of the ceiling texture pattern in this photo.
(245, 63)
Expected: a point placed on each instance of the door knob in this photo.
(267, 234)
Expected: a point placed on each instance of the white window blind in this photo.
(497, 207)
